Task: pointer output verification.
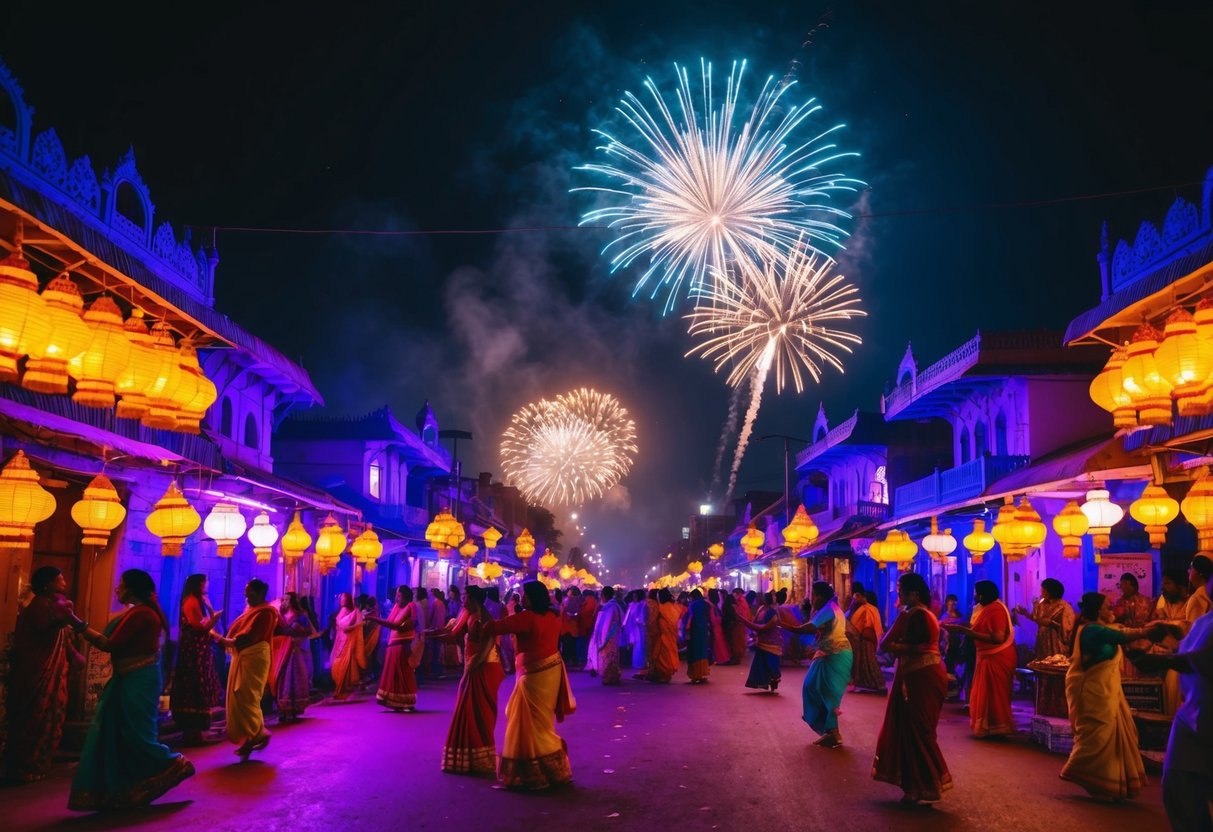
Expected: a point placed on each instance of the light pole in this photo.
(787, 485)
(457, 472)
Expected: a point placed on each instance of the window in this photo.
(225, 418)
(250, 433)
(1000, 434)
(979, 440)
(880, 488)
(965, 450)
(373, 473)
(686, 532)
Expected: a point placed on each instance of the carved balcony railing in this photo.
(949, 368)
(944, 488)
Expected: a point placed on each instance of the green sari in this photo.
(123, 763)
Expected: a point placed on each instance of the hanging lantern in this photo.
(161, 393)
(524, 547)
(1102, 514)
(100, 512)
(800, 533)
(263, 536)
(331, 541)
(23, 503)
(491, 538)
(590, 580)
(1201, 404)
(1027, 532)
(366, 548)
(1071, 524)
(939, 545)
(1002, 530)
(1185, 360)
(468, 550)
(899, 548)
(695, 567)
(1108, 391)
(25, 322)
(1148, 391)
(751, 542)
(876, 553)
(296, 540)
(716, 551)
(140, 371)
(96, 370)
(979, 541)
(1154, 509)
(548, 561)
(69, 337)
(172, 520)
(492, 571)
(1197, 508)
(567, 573)
(444, 533)
(196, 393)
(225, 525)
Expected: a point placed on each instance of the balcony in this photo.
(944, 488)
(409, 515)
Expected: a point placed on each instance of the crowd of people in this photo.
(278, 651)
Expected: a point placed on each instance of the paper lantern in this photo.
(96, 370)
(1027, 532)
(263, 536)
(25, 322)
(196, 393)
(548, 561)
(1154, 509)
(876, 553)
(716, 551)
(979, 541)
(567, 573)
(899, 548)
(366, 548)
(492, 571)
(1201, 404)
(1071, 524)
(1148, 391)
(751, 542)
(131, 385)
(161, 393)
(1185, 360)
(225, 525)
(524, 547)
(100, 512)
(444, 532)
(695, 567)
(491, 538)
(1197, 508)
(173, 520)
(939, 545)
(23, 503)
(1108, 391)
(1002, 530)
(800, 533)
(1102, 514)
(468, 549)
(331, 541)
(296, 539)
(69, 337)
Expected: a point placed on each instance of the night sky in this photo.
(471, 116)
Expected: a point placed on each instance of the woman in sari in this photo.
(124, 764)
(720, 646)
(994, 671)
(634, 622)
(1053, 617)
(951, 644)
(248, 642)
(405, 649)
(738, 634)
(534, 756)
(907, 750)
(290, 678)
(470, 748)
(1105, 759)
(830, 670)
(348, 659)
(195, 683)
(604, 643)
(768, 646)
(369, 607)
(36, 702)
(699, 638)
(663, 623)
(865, 633)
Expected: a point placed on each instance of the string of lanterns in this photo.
(115, 364)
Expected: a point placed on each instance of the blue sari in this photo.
(827, 677)
(699, 633)
(123, 764)
(768, 648)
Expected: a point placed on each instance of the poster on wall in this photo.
(1113, 566)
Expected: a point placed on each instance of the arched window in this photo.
(965, 448)
(250, 432)
(979, 440)
(880, 488)
(225, 418)
(1000, 434)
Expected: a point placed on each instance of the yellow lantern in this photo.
(567, 573)
(876, 553)
(800, 533)
(69, 337)
(141, 369)
(161, 393)
(491, 538)
(1027, 532)
(1185, 360)
(100, 512)
(366, 548)
(444, 533)
(1148, 391)
(1002, 531)
(590, 580)
(263, 536)
(939, 545)
(1108, 391)
(1071, 524)
(331, 541)
(96, 370)
(524, 547)
(1102, 514)
(469, 549)
(25, 322)
(1197, 508)
(225, 525)
(979, 541)
(23, 503)
(1201, 403)
(716, 551)
(296, 540)
(751, 542)
(548, 561)
(899, 548)
(173, 520)
(1154, 509)
(695, 567)
(196, 393)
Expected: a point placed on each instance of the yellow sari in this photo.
(533, 755)
(246, 680)
(663, 662)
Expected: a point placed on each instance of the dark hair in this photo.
(493, 593)
(559, 593)
(1177, 576)
(1131, 578)
(407, 592)
(986, 592)
(823, 589)
(259, 586)
(193, 587)
(951, 596)
(537, 598)
(1091, 604)
(871, 598)
(422, 594)
(653, 594)
(857, 588)
(750, 596)
(782, 595)
(913, 582)
(608, 592)
(42, 579)
(768, 598)
(696, 595)
(664, 596)
(292, 602)
(714, 596)
(453, 590)
(1053, 587)
(141, 585)
(474, 593)
(1202, 565)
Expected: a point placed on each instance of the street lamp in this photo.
(787, 484)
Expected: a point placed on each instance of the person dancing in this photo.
(405, 650)
(768, 646)
(663, 621)
(290, 679)
(994, 674)
(248, 641)
(866, 631)
(699, 635)
(830, 670)
(348, 659)
(604, 643)
(195, 687)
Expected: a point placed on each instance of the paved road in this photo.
(710, 757)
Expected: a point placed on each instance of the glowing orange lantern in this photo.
(69, 337)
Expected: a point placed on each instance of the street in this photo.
(710, 757)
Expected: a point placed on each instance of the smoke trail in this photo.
(726, 433)
(751, 415)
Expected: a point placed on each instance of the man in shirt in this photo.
(1198, 603)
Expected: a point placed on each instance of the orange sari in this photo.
(994, 675)
(348, 658)
(663, 662)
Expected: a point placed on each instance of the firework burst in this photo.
(709, 184)
(568, 451)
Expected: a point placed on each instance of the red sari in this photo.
(398, 684)
(37, 687)
(993, 675)
(907, 751)
(469, 742)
